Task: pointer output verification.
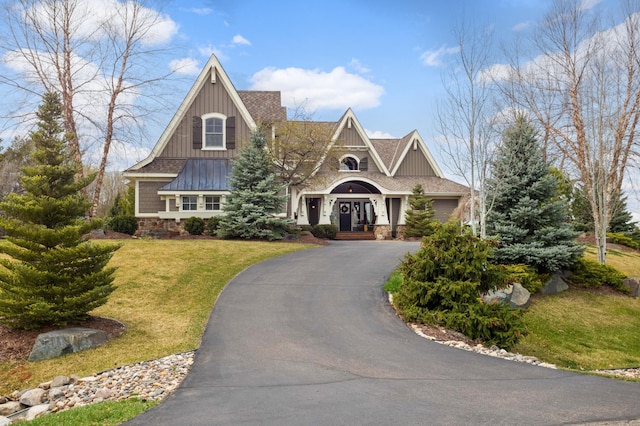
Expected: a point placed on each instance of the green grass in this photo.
(165, 292)
(103, 414)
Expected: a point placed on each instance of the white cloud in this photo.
(589, 4)
(186, 66)
(238, 39)
(92, 19)
(317, 89)
(521, 26)
(210, 49)
(378, 134)
(201, 10)
(433, 58)
(358, 66)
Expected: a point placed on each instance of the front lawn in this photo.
(165, 292)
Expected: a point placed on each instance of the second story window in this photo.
(214, 132)
(348, 163)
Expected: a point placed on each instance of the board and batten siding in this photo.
(443, 208)
(350, 137)
(212, 98)
(148, 199)
(415, 164)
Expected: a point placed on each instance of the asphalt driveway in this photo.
(310, 339)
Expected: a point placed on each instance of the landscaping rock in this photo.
(556, 284)
(61, 342)
(515, 295)
(4, 421)
(59, 381)
(9, 408)
(37, 411)
(33, 397)
(633, 284)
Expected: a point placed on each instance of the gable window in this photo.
(189, 202)
(212, 202)
(348, 163)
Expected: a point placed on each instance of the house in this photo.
(366, 190)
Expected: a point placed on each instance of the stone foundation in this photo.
(382, 232)
(400, 232)
(159, 228)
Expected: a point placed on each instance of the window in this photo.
(212, 202)
(190, 202)
(349, 163)
(214, 132)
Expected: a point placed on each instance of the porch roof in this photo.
(201, 174)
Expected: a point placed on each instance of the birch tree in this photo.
(464, 118)
(97, 56)
(583, 88)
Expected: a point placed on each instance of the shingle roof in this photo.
(390, 150)
(202, 174)
(161, 165)
(263, 105)
(432, 185)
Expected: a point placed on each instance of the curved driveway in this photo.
(309, 339)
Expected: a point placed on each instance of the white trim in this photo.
(150, 176)
(204, 119)
(212, 65)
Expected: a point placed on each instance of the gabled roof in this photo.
(389, 149)
(201, 174)
(211, 72)
(349, 119)
(414, 141)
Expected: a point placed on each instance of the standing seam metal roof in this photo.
(202, 174)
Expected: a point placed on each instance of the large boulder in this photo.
(556, 284)
(69, 340)
(515, 295)
(633, 284)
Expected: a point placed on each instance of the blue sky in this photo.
(383, 60)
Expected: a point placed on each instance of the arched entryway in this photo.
(354, 210)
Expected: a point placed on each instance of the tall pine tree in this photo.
(52, 276)
(528, 218)
(419, 216)
(256, 196)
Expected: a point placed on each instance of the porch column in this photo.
(301, 208)
(404, 203)
(380, 209)
(326, 205)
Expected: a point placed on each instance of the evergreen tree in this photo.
(418, 218)
(528, 217)
(255, 198)
(52, 275)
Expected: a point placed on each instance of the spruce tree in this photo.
(419, 217)
(256, 196)
(52, 276)
(528, 218)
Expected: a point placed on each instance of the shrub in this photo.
(393, 283)
(123, 224)
(441, 285)
(591, 274)
(213, 225)
(194, 225)
(322, 231)
(523, 274)
(623, 240)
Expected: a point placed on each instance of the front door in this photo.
(345, 216)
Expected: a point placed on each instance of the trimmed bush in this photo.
(442, 283)
(213, 225)
(322, 231)
(523, 274)
(194, 225)
(623, 240)
(123, 224)
(591, 274)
